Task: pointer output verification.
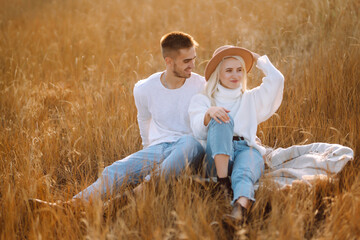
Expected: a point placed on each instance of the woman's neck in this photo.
(224, 94)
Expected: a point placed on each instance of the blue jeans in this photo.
(164, 158)
(245, 165)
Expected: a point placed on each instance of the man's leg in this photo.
(130, 169)
(187, 151)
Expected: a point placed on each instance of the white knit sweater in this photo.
(248, 109)
(163, 113)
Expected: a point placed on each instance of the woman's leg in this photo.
(221, 164)
(219, 147)
(219, 150)
(247, 169)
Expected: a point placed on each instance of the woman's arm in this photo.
(256, 56)
(197, 110)
(218, 114)
(268, 96)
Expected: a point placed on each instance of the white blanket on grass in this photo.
(305, 162)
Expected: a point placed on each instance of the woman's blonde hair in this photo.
(214, 79)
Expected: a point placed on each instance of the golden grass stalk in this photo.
(67, 69)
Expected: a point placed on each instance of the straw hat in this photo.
(225, 51)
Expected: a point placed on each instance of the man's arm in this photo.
(143, 115)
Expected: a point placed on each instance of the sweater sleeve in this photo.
(198, 106)
(143, 115)
(268, 96)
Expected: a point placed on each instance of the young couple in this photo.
(178, 108)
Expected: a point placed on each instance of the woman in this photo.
(227, 116)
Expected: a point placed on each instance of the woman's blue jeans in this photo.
(245, 165)
(164, 158)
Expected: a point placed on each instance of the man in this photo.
(162, 102)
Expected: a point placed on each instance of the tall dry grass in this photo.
(67, 69)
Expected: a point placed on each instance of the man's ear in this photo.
(168, 60)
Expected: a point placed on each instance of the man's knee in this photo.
(191, 148)
(190, 141)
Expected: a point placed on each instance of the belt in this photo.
(237, 138)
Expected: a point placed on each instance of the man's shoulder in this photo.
(147, 82)
(196, 82)
(198, 79)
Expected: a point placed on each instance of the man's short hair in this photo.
(174, 41)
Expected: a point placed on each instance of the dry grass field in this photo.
(67, 70)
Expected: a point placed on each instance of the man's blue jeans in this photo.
(164, 158)
(245, 165)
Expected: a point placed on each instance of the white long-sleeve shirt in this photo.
(248, 109)
(162, 112)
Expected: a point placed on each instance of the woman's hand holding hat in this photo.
(256, 56)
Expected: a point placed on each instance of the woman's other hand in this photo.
(218, 114)
(256, 56)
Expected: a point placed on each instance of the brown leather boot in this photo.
(237, 217)
(225, 186)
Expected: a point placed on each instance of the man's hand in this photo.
(218, 114)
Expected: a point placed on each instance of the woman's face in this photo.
(231, 73)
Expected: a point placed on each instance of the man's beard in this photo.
(180, 74)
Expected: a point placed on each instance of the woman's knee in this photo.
(214, 123)
(220, 133)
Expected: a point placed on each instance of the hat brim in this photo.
(232, 51)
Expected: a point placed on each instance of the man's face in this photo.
(184, 62)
